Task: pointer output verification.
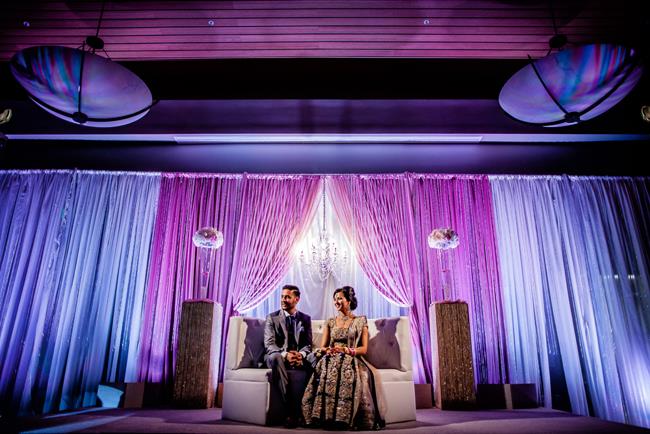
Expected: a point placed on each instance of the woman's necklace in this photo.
(344, 320)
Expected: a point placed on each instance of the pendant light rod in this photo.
(95, 42)
(558, 40)
(101, 16)
(79, 116)
(550, 6)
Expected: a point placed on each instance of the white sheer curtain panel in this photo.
(316, 295)
(74, 253)
(574, 262)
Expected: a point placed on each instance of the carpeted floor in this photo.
(209, 421)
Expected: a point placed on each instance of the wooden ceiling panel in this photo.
(148, 30)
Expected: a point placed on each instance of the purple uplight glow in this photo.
(581, 83)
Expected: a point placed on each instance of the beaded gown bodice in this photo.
(349, 335)
(339, 336)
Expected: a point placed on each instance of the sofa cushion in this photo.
(391, 375)
(248, 374)
(317, 327)
(253, 355)
(383, 347)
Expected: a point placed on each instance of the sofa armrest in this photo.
(234, 341)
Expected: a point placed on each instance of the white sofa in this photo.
(248, 396)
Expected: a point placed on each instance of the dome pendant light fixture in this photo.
(79, 86)
(571, 85)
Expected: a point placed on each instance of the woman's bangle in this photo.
(353, 352)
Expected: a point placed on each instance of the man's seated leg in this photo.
(279, 376)
(298, 379)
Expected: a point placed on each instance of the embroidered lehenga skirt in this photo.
(341, 395)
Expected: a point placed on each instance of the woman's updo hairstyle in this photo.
(348, 293)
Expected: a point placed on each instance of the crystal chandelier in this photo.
(322, 259)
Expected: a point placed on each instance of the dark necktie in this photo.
(291, 330)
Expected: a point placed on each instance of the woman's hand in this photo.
(335, 350)
(323, 351)
(344, 350)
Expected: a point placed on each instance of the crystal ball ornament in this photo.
(572, 85)
(443, 239)
(208, 238)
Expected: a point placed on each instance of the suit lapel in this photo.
(280, 318)
(300, 329)
(296, 331)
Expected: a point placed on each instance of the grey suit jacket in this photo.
(276, 335)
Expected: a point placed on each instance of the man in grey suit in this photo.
(287, 341)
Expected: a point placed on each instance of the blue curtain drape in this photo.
(574, 264)
(74, 250)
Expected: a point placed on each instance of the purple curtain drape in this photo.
(276, 213)
(261, 217)
(463, 203)
(187, 202)
(386, 218)
(377, 218)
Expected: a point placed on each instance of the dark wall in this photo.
(624, 158)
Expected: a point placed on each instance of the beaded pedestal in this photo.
(197, 355)
(453, 370)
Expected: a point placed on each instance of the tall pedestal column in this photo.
(453, 370)
(197, 354)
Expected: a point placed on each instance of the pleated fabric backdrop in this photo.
(574, 260)
(74, 258)
(94, 267)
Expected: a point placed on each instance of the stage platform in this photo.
(209, 421)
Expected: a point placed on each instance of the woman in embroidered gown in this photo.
(341, 393)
